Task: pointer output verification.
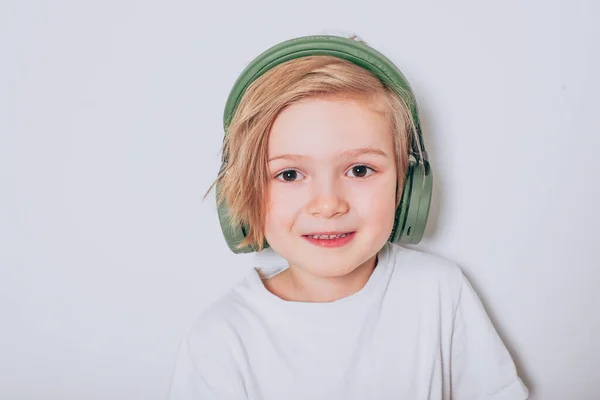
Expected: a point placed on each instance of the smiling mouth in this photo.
(330, 239)
(328, 236)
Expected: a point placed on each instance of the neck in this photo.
(296, 284)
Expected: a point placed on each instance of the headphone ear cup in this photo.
(234, 234)
(401, 210)
(415, 210)
(423, 185)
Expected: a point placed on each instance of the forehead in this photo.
(324, 127)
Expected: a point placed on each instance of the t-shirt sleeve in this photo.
(204, 372)
(481, 366)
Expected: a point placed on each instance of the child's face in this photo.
(324, 181)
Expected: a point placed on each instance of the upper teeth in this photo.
(328, 236)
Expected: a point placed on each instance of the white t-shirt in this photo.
(416, 330)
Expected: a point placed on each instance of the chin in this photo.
(331, 270)
(333, 265)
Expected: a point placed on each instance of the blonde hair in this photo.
(244, 180)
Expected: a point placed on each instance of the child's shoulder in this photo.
(212, 333)
(423, 269)
(221, 319)
(423, 263)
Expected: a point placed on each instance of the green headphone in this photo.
(413, 210)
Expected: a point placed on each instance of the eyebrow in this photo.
(346, 154)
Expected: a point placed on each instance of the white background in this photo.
(110, 131)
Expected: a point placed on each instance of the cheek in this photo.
(282, 208)
(377, 205)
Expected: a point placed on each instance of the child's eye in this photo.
(289, 175)
(360, 171)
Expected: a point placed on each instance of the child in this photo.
(323, 161)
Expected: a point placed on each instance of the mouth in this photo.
(330, 239)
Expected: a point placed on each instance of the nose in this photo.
(327, 202)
